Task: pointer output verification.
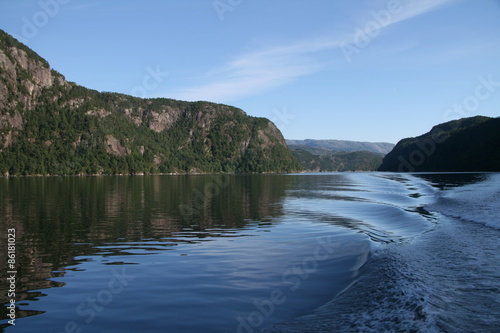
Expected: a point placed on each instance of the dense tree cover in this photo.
(69, 129)
(338, 161)
(62, 140)
(323, 147)
(468, 144)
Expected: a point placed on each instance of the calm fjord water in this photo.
(219, 253)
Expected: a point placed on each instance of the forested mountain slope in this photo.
(51, 126)
(468, 144)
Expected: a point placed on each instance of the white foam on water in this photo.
(478, 202)
(448, 279)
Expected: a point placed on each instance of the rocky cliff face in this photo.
(23, 77)
(51, 126)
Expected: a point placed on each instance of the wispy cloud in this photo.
(263, 70)
(259, 71)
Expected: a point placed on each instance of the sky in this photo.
(364, 70)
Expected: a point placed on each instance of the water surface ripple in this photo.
(220, 253)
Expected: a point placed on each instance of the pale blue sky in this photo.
(366, 70)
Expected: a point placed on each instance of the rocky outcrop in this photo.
(22, 77)
(101, 113)
(164, 119)
(11, 120)
(51, 126)
(114, 147)
(268, 134)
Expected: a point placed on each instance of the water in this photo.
(355, 252)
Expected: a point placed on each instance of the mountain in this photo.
(338, 155)
(321, 147)
(51, 126)
(468, 144)
(338, 161)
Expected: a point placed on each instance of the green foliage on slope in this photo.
(51, 126)
(338, 161)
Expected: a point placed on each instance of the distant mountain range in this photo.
(49, 126)
(322, 147)
(338, 155)
(338, 161)
(468, 144)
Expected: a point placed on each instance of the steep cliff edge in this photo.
(51, 126)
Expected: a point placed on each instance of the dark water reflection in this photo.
(59, 220)
(203, 250)
(445, 181)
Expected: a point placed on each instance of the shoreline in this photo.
(3, 176)
(151, 174)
